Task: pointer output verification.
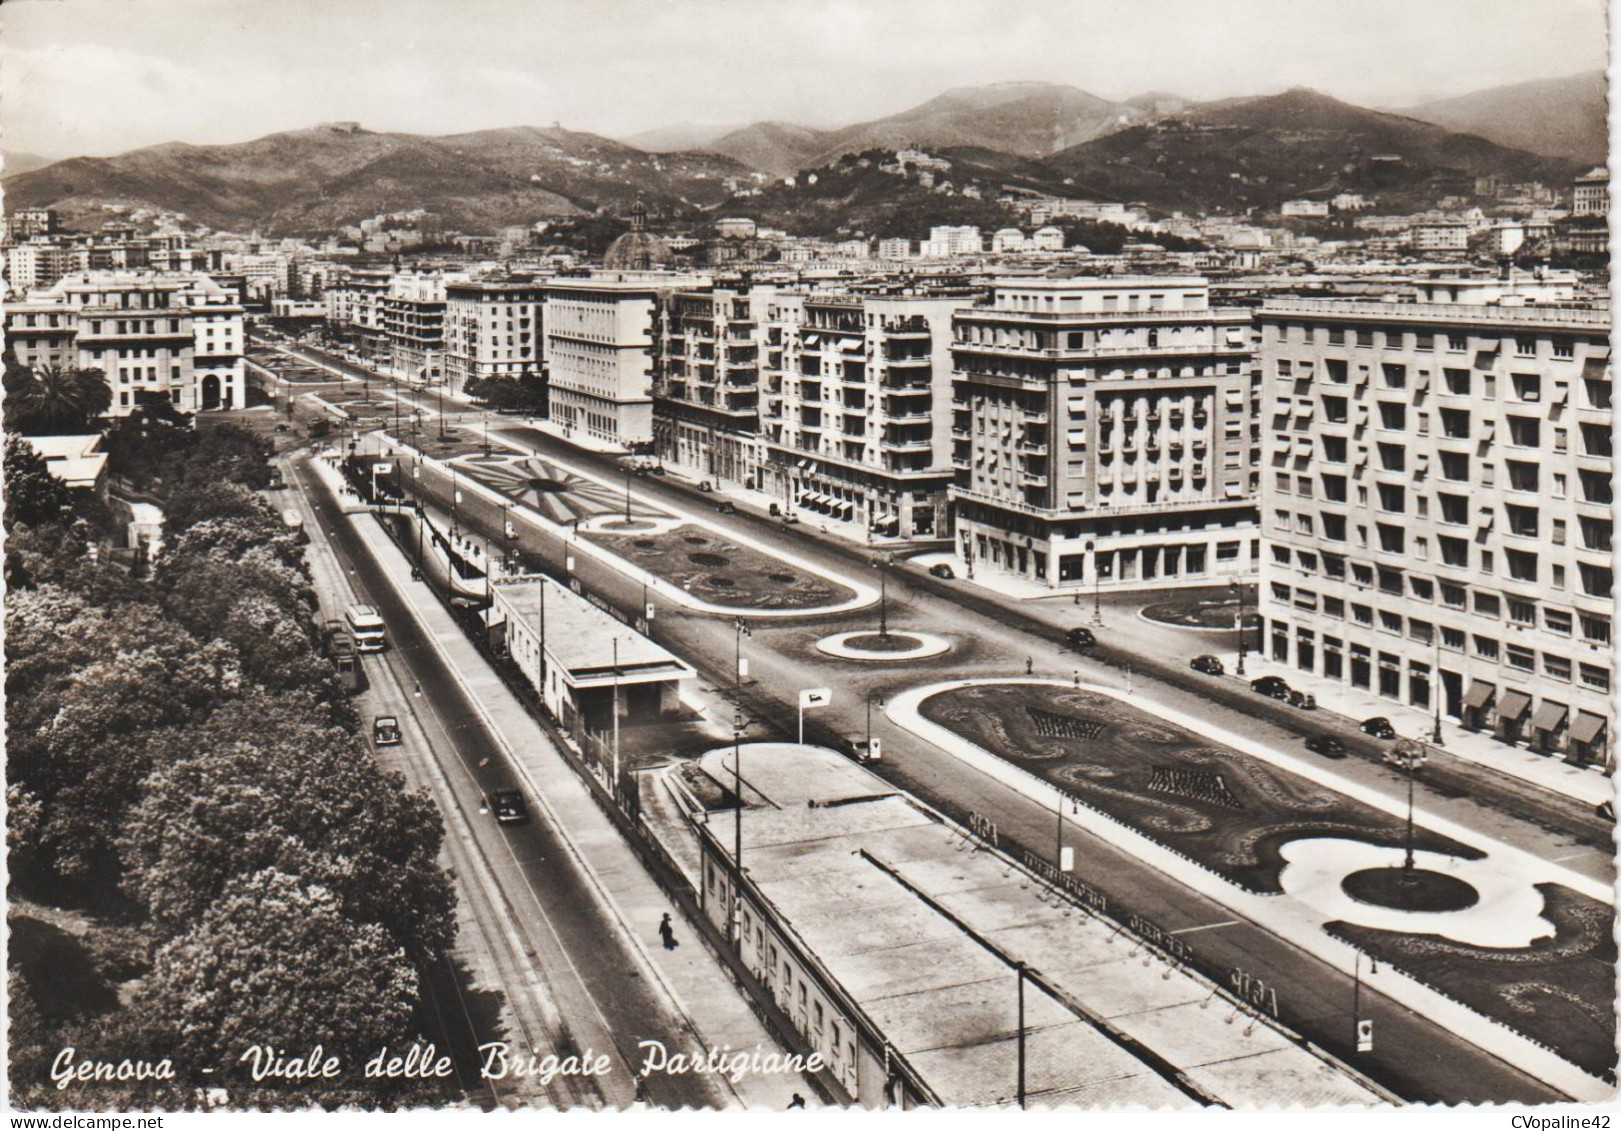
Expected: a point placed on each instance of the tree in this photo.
(54, 399)
(275, 961)
(33, 495)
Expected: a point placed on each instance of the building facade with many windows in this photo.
(492, 329)
(856, 410)
(1104, 433)
(1437, 509)
(413, 314)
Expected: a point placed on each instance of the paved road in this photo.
(584, 961)
(1414, 1057)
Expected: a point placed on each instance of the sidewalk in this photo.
(1288, 916)
(699, 988)
(1588, 784)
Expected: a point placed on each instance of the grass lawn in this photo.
(1559, 990)
(1200, 614)
(721, 571)
(1224, 809)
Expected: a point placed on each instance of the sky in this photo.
(97, 77)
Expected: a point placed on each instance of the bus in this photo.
(366, 626)
(294, 524)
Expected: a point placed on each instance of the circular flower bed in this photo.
(1418, 890)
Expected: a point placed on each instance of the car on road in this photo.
(790, 519)
(1605, 810)
(1326, 745)
(1209, 665)
(706, 487)
(1271, 686)
(941, 569)
(1379, 727)
(509, 807)
(1305, 700)
(385, 731)
(1080, 638)
(728, 507)
(284, 428)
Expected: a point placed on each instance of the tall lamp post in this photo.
(1238, 587)
(1437, 690)
(1097, 586)
(1410, 757)
(627, 494)
(882, 564)
(734, 917)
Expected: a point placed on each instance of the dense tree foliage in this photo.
(185, 780)
(524, 393)
(50, 400)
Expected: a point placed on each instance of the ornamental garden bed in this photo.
(1222, 809)
(723, 572)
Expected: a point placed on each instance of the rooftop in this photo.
(584, 640)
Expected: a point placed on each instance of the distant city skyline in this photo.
(87, 77)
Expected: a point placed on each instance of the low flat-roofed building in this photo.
(895, 954)
(73, 461)
(593, 663)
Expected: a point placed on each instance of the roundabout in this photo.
(868, 645)
(1416, 890)
(642, 524)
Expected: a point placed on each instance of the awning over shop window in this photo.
(1587, 728)
(1549, 717)
(1512, 705)
(1480, 693)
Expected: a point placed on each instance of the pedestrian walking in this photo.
(667, 932)
(797, 1101)
(1029, 665)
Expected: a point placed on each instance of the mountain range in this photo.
(1564, 117)
(1156, 148)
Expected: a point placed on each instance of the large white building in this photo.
(600, 334)
(1103, 431)
(948, 240)
(179, 337)
(1437, 507)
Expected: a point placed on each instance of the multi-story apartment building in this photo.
(706, 401)
(856, 409)
(178, 337)
(1104, 433)
(946, 240)
(354, 310)
(30, 223)
(492, 329)
(600, 337)
(1590, 194)
(413, 314)
(1437, 507)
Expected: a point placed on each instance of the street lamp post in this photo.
(1437, 689)
(627, 494)
(881, 564)
(1410, 756)
(440, 391)
(742, 629)
(1238, 587)
(1097, 586)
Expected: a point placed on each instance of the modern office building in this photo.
(856, 410)
(492, 329)
(1590, 194)
(1437, 506)
(1104, 433)
(601, 335)
(354, 306)
(413, 317)
(706, 401)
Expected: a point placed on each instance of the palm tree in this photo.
(54, 398)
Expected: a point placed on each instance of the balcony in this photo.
(1033, 447)
(907, 444)
(1033, 478)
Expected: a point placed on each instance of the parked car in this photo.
(1302, 699)
(1271, 686)
(1605, 810)
(385, 731)
(1209, 665)
(728, 507)
(941, 569)
(1326, 745)
(706, 487)
(1080, 638)
(790, 518)
(775, 510)
(509, 807)
(1379, 727)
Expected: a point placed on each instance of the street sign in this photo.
(815, 697)
(1364, 1034)
(1066, 859)
(875, 750)
(381, 468)
(650, 610)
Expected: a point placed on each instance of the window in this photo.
(1454, 551)
(1597, 581)
(1487, 605)
(1392, 416)
(1457, 381)
(1454, 596)
(1392, 457)
(1334, 488)
(1454, 508)
(1522, 476)
(1596, 440)
(1334, 607)
(1485, 647)
(1597, 390)
(1362, 574)
(1423, 588)
(1525, 431)
(1564, 347)
(1455, 466)
(1522, 520)
(1522, 566)
(1596, 533)
(1392, 539)
(1522, 658)
(1455, 423)
(1596, 628)
(1334, 565)
(1556, 667)
(1557, 620)
(1334, 410)
(1521, 611)
(1595, 677)
(1390, 622)
(1457, 343)
(1334, 527)
(1596, 487)
(1333, 449)
(1525, 347)
(1452, 638)
(1393, 498)
(1362, 614)
(1335, 371)
(1395, 376)
(1527, 386)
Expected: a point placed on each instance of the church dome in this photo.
(637, 251)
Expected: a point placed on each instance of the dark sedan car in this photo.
(1326, 745)
(1080, 638)
(1209, 665)
(385, 731)
(1271, 686)
(509, 807)
(941, 569)
(1379, 727)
